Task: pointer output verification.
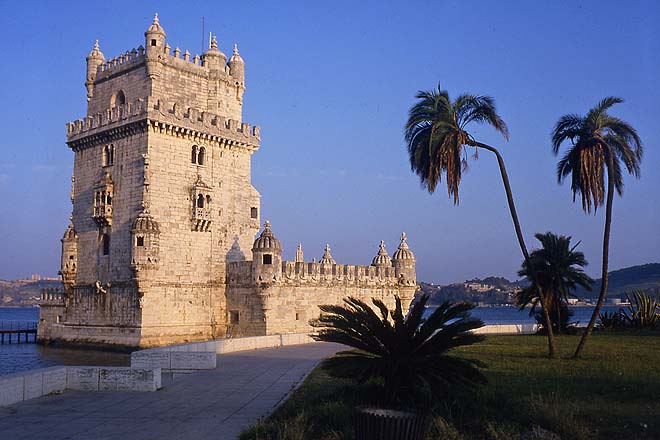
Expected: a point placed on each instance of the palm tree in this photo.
(558, 269)
(600, 143)
(409, 355)
(437, 143)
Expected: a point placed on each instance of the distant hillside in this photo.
(497, 290)
(621, 281)
(23, 293)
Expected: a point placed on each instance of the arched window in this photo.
(106, 244)
(118, 98)
(200, 201)
(201, 156)
(193, 155)
(208, 201)
(108, 155)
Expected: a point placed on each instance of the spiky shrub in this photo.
(643, 311)
(611, 321)
(408, 356)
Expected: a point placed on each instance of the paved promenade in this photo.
(214, 404)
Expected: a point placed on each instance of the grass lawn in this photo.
(612, 393)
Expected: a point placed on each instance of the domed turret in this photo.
(266, 257)
(155, 44)
(404, 263)
(382, 259)
(327, 256)
(214, 58)
(94, 60)
(145, 242)
(403, 253)
(237, 66)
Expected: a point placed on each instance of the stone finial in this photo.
(167, 49)
(266, 224)
(235, 49)
(403, 244)
(299, 254)
(177, 52)
(214, 42)
(96, 46)
(327, 256)
(186, 55)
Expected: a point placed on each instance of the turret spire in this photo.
(299, 254)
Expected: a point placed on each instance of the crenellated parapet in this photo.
(172, 118)
(52, 297)
(264, 270)
(179, 120)
(129, 60)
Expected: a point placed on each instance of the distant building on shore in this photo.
(161, 245)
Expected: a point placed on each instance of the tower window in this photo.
(201, 156)
(108, 155)
(193, 155)
(254, 212)
(106, 244)
(200, 201)
(140, 241)
(117, 99)
(234, 317)
(153, 42)
(267, 259)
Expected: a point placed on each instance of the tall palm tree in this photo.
(437, 143)
(599, 145)
(558, 268)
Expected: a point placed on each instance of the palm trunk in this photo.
(552, 352)
(606, 256)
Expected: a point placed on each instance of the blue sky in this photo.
(331, 83)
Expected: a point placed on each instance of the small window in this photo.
(268, 259)
(208, 201)
(200, 201)
(71, 257)
(153, 42)
(106, 244)
(108, 155)
(297, 316)
(254, 212)
(193, 155)
(140, 241)
(201, 157)
(234, 317)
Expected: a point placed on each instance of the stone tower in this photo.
(162, 197)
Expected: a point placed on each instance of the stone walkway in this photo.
(214, 404)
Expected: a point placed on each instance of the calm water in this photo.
(21, 357)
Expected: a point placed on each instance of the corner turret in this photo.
(382, 259)
(327, 259)
(237, 66)
(69, 264)
(94, 60)
(266, 257)
(404, 263)
(155, 44)
(145, 243)
(213, 58)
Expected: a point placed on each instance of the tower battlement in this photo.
(175, 115)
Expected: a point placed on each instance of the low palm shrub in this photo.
(643, 311)
(409, 358)
(611, 321)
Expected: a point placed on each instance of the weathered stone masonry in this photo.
(160, 248)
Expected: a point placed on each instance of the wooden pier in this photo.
(22, 330)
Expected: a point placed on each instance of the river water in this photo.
(20, 357)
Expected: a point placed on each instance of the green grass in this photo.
(612, 393)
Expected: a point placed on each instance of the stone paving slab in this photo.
(213, 404)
